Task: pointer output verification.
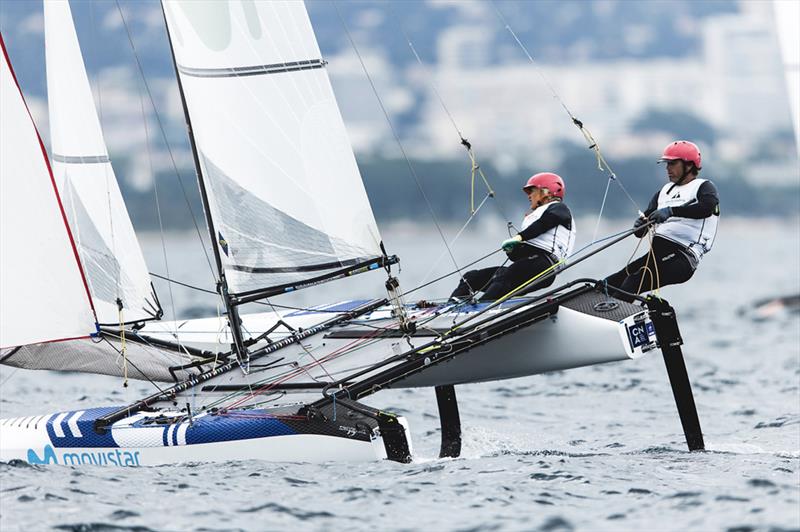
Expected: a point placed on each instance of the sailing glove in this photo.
(640, 221)
(661, 215)
(511, 243)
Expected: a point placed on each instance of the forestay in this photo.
(285, 194)
(44, 297)
(109, 250)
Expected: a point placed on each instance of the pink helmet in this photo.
(552, 182)
(682, 150)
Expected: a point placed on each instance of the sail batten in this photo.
(258, 70)
(285, 193)
(80, 159)
(108, 247)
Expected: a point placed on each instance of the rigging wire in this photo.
(98, 86)
(602, 164)
(464, 142)
(312, 309)
(164, 136)
(396, 136)
(158, 203)
(452, 242)
(141, 372)
(602, 207)
(475, 167)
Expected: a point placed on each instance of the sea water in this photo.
(597, 448)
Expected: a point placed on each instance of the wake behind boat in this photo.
(285, 209)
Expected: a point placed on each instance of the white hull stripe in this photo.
(182, 433)
(73, 424)
(57, 428)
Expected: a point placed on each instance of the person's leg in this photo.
(515, 275)
(673, 268)
(629, 278)
(475, 281)
(650, 272)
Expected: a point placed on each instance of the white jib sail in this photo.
(44, 297)
(108, 247)
(787, 20)
(286, 196)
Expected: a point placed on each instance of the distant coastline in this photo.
(395, 197)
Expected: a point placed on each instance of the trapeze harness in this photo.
(548, 234)
(679, 243)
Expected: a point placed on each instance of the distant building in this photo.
(734, 83)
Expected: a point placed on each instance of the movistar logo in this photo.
(48, 456)
(104, 458)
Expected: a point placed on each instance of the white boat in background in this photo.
(787, 22)
(286, 209)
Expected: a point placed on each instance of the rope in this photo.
(304, 369)
(655, 280)
(453, 241)
(396, 136)
(142, 373)
(476, 168)
(106, 176)
(157, 201)
(602, 164)
(123, 346)
(602, 207)
(164, 135)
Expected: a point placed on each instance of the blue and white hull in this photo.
(148, 439)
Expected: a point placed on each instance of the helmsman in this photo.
(686, 211)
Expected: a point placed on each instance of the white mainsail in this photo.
(285, 194)
(109, 250)
(44, 295)
(787, 21)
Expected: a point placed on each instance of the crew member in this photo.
(686, 211)
(547, 236)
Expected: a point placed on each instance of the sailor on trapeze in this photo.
(687, 211)
(547, 236)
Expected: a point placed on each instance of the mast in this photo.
(222, 284)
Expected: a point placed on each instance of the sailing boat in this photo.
(286, 209)
(787, 15)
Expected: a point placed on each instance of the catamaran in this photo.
(286, 209)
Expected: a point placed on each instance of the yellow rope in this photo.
(520, 287)
(655, 280)
(476, 168)
(123, 348)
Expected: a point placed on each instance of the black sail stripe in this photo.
(294, 269)
(255, 70)
(81, 159)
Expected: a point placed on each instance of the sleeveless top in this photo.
(696, 235)
(557, 241)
